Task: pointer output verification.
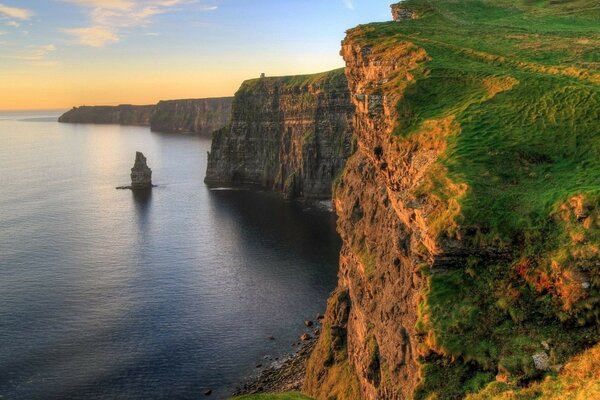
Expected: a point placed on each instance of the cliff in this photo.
(470, 211)
(192, 116)
(174, 116)
(120, 115)
(290, 134)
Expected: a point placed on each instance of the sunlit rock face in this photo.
(141, 174)
(288, 134)
(400, 13)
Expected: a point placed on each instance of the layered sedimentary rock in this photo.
(202, 116)
(290, 134)
(141, 174)
(124, 114)
(454, 275)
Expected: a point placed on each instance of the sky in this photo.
(55, 54)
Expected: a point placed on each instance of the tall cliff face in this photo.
(192, 116)
(470, 238)
(119, 115)
(290, 134)
(201, 116)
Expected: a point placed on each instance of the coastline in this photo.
(282, 375)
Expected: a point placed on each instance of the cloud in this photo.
(95, 36)
(110, 19)
(36, 55)
(16, 13)
(349, 4)
(13, 24)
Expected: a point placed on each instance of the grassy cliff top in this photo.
(527, 150)
(334, 77)
(520, 82)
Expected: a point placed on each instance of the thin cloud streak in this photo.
(14, 12)
(109, 18)
(35, 55)
(349, 4)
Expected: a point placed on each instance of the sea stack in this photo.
(141, 174)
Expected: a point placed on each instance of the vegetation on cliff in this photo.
(292, 134)
(507, 95)
(272, 396)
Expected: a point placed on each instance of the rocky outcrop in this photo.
(124, 114)
(202, 116)
(290, 134)
(431, 301)
(141, 174)
(401, 13)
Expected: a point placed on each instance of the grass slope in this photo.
(521, 81)
(580, 379)
(270, 396)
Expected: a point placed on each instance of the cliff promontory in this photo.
(201, 116)
(124, 114)
(470, 212)
(192, 116)
(291, 134)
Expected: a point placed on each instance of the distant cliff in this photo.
(124, 114)
(173, 116)
(290, 134)
(192, 116)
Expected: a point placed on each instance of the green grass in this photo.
(579, 379)
(520, 81)
(271, 396)
(323, 78)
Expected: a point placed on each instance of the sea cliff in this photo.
(469, 212)
(201, 116)
(192, 116)
(290, 134)
(124, 114)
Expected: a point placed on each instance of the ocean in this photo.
(109, 294)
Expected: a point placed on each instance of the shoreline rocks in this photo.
(285, 375)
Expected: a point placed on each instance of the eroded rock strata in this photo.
(290, 134)
(141, 174)
(453, 277)
(202, 116)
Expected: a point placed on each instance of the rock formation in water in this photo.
(290, 134)
(192, 116)
(119, 115)
(174, 116)
(469, 214)
(141, 174)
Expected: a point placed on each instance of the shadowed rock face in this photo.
(174, 116)
(192, 116)
(289, 134)
(119, 115)
(141, 174)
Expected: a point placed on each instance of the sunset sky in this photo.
(61, 53)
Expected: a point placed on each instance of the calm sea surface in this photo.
(105, 294)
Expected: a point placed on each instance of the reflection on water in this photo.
(142, 199)
(108, 294)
